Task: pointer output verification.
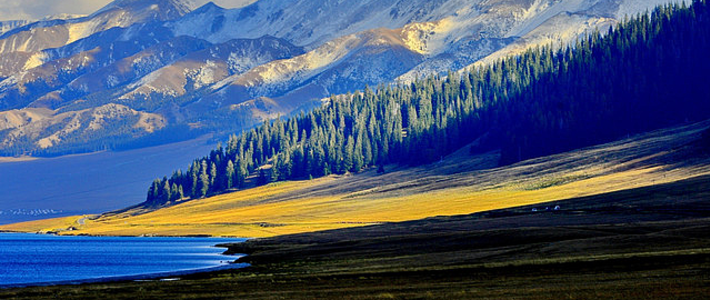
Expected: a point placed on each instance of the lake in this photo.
(32, 259)
(69, 185)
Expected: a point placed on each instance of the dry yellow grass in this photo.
(45, 225)
(4, 159)
(461, 184)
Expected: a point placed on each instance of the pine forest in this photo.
(643, 74)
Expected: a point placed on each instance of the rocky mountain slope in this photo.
(210, 69)
(6, 26)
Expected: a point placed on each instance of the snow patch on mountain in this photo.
(311, 23)
(277, 75)
(203, 68)
(81, 30)
(541, 11)
(631, 8)
(203, 76)
(338, 66)
(6, 26)
(37, 59)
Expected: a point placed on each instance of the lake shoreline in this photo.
(63, 233)
(79, 260)
(128, 278)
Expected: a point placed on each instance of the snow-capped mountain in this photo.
(48, 34)
(209, 66)
(202, 69)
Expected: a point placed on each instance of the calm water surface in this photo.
(31, 259)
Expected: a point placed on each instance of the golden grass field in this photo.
(459, 184)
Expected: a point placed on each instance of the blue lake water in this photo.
(31, 259)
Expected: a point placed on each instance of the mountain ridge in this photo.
(414, 39)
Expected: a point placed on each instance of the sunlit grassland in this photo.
(43, 225)
(459, 184)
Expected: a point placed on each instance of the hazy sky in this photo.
(37, 9)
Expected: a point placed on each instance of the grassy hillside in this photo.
(459, 184)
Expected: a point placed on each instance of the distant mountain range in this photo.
(141, 72)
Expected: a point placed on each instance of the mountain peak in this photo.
(160, 9)
(207, 8)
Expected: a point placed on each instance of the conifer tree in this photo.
(204, 183)
(175, 192)
(213, 176)
(230, 174)
(165, 193)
